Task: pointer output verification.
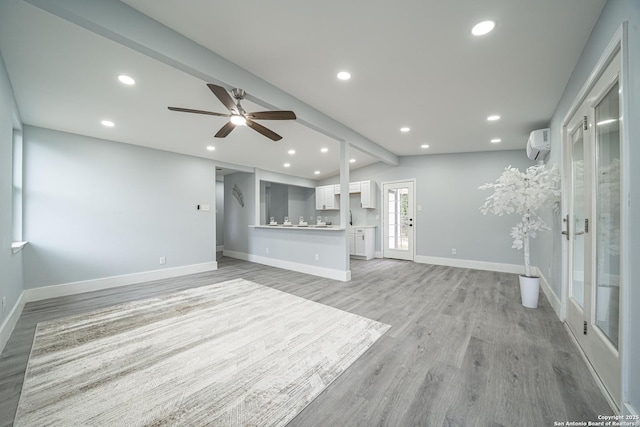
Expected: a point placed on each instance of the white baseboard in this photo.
(220, 248)
(37, 294)
(466, 263)
(329, 273)
(551, 296)
(378, 254)
(11, 320)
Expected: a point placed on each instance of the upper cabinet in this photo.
(326, 198)
(368, 194)
(366, 189)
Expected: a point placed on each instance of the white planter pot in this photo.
(529, 291)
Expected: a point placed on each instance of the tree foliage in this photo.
(524, 194)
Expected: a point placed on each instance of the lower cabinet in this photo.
(362, 242)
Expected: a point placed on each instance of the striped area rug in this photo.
(230, 354)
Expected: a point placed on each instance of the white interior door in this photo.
(398, 227)
(592, 150)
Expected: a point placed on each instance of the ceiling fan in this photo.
(238, 116)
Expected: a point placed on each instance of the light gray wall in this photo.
(95, 208)
(549, 247)
(279, 201)
(302, 202)
(447, 189)
(301, 247)
(11, 280)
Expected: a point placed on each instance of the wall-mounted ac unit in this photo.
(539, 144)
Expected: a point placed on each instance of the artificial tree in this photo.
(525, 194)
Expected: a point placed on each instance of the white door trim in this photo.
(416, 222)
(618, 43)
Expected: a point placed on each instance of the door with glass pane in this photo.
(592, 226)
(398, 228)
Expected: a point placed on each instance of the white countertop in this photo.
(297, 227)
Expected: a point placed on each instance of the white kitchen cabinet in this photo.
(325, 198)
(366, 189)
(368, 194)
(362, 242)
(354, 188)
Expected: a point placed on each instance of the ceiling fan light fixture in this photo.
(238, 120)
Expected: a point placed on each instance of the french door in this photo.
(592, 226)
(398, 228)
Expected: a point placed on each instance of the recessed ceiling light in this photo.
(317, 172)
(424, 146)
(344, 75)
(496, 140)
(291, 151)
(286, 165)
(127, 80)
(108, 123)
(211, 148)
(238, 120)
(352, 161)
(482, 28)
(405, 129)
(324, 149)
(493, 118)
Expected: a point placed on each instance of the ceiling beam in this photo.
(121, 23)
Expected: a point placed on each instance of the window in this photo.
(17, 185)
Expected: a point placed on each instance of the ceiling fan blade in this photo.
(272, 115)
(225, 130)
(189, 110)
(224, 97)
(263, 130)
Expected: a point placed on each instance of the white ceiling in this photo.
(414, 63)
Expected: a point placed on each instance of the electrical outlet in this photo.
(267, 250)
(4, 303)
(317, 257)
(453, 251)
(163, 260)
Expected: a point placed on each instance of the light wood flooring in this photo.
(462, 351)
